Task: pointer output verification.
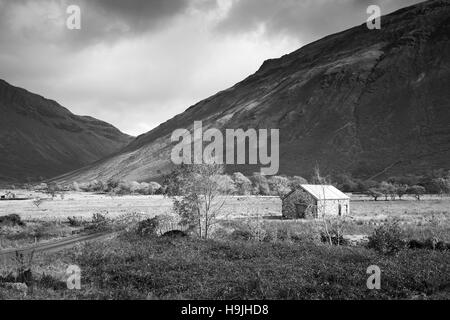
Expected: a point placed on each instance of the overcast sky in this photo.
(137, 63)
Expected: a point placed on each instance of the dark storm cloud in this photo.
(111, 19)
(101, 20)
(305, 20)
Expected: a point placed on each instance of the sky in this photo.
(138, 63)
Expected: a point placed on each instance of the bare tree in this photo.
(37, 202)
(197, 194)
(333, 227)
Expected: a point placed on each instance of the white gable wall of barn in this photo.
(331, 207)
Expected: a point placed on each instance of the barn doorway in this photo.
(300, 210)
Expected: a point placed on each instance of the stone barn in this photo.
(315, 201)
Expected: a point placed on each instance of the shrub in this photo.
(75, 187)
(279, 185)
(242, 235)
(99, 217)
(243, 184)
(123, 188)
(257, 229)
(365, 186)
(388, 190)
(260, 185)
(401, 190)
(96, 186)
(11, 220)
(52, 189)
(154, 188)
(417, 191)
(374, 193)
(225, 184)
(41, 187)
(387, 239)
(295, 182)
(99, 221)
(345, 182)
(135, 187)
(148, 227)
(175, 234)
(112, 184)
(333, 235)
(74, 221)
(49, 282)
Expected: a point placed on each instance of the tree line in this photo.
(432, 182)
(435, 182)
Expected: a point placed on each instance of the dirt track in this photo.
(55, 245)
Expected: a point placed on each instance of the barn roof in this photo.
(327, 192)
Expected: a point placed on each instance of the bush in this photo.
(74, 221)
(225, 184)
(133, 187)
(401, 190)
(279, 185)
(49, 282)
(112, 184)
(260, 185)
(154, 188)
(336, 237)
(345, 183)
(99, 221)
(374, 193)
(365, 186)
(242, 183)
(257, 229)
(241, 235)
(295, 182)
(75, 187)
(11, 220)
(417, 191)
(388, 190)
(387, 239)
(148, 227)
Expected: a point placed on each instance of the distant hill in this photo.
(41, 139)
(366, 102)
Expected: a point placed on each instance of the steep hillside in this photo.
(360, 101)
(40, 138)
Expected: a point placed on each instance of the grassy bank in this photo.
(132, 267)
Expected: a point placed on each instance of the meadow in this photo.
(252, 254)
(84, 204)
(421, 219)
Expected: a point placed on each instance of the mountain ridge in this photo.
(41, 139)
(358, 101)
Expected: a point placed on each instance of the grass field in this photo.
(420, 218)
(298, 266)
(83, 204)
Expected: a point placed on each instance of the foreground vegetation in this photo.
(133, 267)
(248, 259)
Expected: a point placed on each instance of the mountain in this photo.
(366, 102)
(41, 139)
